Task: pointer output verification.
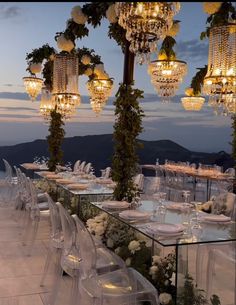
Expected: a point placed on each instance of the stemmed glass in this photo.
(159, 209)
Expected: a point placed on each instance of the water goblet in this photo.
(155, 205)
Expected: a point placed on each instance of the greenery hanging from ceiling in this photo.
(223, 13)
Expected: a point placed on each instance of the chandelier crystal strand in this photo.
(99, 92)
(220, 80)
(166, 76)
(145, 23)
(65, 83)
(192, 103)
(33, 86)
(47, 103)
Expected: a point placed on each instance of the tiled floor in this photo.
(20, 274)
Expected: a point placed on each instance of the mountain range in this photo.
(98, 149)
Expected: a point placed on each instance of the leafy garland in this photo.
(226, 12)
(127, 127)
(55, 139)
(197, 80)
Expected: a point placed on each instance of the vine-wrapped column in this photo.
(234, 149)
(55, 139)
(127, 127)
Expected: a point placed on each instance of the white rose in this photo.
(174, 30)
(86, 59)
(64, 44)
(99, 230)
(165, 298)
(156, 259)
(111, 14)
(128, 261)
(52, 57)
(35, 68)
(99, 68)
(117, 250)
(211, 7)
(78, 16)
(134, 246)
(88, 72)
(110, 243)
(153, 270)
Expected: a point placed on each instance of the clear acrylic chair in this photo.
(34, 215)
(56, 240)
(138, 181)
(121, 286)
(71, 259)
(203, 249)
(87, 168)
(8, 185)
(221, 256)
(76, 165)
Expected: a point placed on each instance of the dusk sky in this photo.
(25, 26)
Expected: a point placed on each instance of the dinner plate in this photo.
(115, 204)
(178, 206)
(165, 228)
(64, 181)
(134, 215)
(216, 218)
(76, 186)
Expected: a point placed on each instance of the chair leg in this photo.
(210, 273)
(26, 227)
(199, 262)
(46, 267)
(74, 295)
(33, 237)
(56, 287)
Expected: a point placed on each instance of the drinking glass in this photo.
(186, 195)
(155, 205)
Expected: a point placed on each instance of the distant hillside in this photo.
(98, 149)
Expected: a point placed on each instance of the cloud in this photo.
(17, 109)
(194, 49)
(8, 12)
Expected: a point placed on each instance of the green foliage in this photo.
(167, 46)
(48, 74)
(38, 55)
(191, 295)
(225, 13)
(55, 138)
(233, 144)
(95, 59)
(215, 300)
(197, 80)
(95, 12)
(128, 126)
(118, 34)
(73, 31)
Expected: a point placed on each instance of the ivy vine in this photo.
(167, 47)
(127, 127)
(225, 13)
(233, 144)
(55, 139)
(197, 80)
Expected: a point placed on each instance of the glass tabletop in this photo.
(212, 232)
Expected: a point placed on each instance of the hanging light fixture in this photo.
(47, 104)
(166, 76)
(192, 103)
(220, 80)
(33, 86)
(97, 106)
(65, 81)
(99, 91)
(145, 23)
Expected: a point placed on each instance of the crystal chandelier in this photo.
(99, 90)
(97, 107)
(220, 80)
(33, 86)
(65, 81)
(192, 103)
(166, 76)
(47, 104)
(66, 110)
(145, 23)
